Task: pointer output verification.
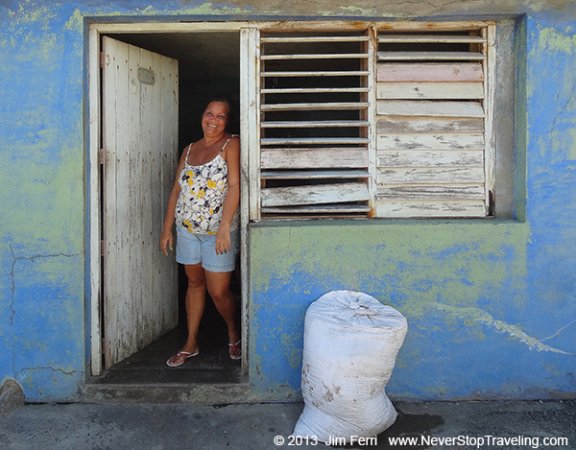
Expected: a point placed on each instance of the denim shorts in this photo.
(201, 249)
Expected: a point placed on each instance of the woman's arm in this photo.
(166, 236)
(232, 200)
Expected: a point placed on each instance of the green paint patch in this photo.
(553, 40)
(457, 262)
(75, 22)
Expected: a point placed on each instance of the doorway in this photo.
(208, 63)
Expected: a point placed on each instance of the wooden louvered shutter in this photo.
(433, 124)
(314, 125)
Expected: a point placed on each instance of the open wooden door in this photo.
(140, 145)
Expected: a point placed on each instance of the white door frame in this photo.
(94, 158)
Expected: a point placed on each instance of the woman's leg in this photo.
(218, 284)
(195, 302)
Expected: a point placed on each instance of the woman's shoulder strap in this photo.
(227, 141)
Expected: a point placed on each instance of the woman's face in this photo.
(215, 118)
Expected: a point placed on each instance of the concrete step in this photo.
(197, 393)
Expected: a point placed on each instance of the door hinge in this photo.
(102, 59)
(102, 247)
(101, 156)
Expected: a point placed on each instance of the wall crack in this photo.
(12, 273)
(515, 332)
(52, 369)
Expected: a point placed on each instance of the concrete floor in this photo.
(148, 366)
(263, 426)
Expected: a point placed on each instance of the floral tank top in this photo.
(202, 192)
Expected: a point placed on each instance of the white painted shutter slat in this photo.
(315, 56)
(314, 194)
(312, 174)
(414, 108)
(430, 56)
(303, 158)
(316, 73)
(318, 211)
(326, 90)
(408, 209)
(410, 125)
(440, 174)
(428, 91)
(318, 106)
(405, 72)
(433, 38)
(311, 39)
(313, 140)
(316, 124)
(430, 158)
(419, 191)
(430, 141)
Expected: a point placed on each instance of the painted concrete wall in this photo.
(490, 304)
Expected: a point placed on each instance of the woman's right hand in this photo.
(166, 242)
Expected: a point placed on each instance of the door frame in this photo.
(94, 111)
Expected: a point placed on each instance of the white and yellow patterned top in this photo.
(202, 192)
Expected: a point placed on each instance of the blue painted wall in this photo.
(490, 304)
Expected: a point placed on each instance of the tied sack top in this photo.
(202, 192)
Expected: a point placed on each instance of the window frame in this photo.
(488, 30)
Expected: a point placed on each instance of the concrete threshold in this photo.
(197, 393)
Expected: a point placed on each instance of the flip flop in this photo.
(180, 358)
(234, 350)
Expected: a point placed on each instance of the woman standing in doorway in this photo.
(204, 206)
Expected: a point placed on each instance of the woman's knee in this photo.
(219, 291)
(195, 276)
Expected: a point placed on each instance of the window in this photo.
(387, 122)
(314, 140)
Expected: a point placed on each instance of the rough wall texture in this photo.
(490, 304)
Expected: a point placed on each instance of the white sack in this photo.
(350, 345)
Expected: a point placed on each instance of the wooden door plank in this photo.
(136, 310)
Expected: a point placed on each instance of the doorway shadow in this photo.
(212, 365)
